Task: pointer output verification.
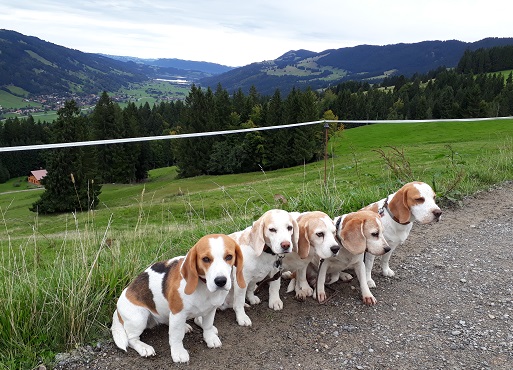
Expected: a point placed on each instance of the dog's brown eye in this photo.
(206, 259)
(320, 234)
(272, 229)
(375, 235)
(228, 257)
(289, 228)
(420, 199)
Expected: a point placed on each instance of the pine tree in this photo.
(107, 120)
(70, 184)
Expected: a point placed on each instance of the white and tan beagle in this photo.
(415, 201)
(358, 233)
(316, 240)
(172, 291)
(263, 246)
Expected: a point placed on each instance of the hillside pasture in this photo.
(9, 101)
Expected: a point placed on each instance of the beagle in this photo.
(316, 240)
(263, 246)
(357, 232)
(415, 201)
(172, 291)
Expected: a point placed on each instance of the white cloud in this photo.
(241, 32)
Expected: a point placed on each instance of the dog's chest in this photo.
(265, 264)
(202, 301)
(396, 234)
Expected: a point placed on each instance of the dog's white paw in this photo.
(371, 283)
(145, 350)
(212, 340)
(370, 300)
(179, 354)
(188, 328)
(345, 277)
(388, 272)
(253, 299)
(302, 293)
(243, 320)
(321, 297)
(276, 305)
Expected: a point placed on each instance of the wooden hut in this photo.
(36, 176)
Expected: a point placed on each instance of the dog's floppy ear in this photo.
(399, 205)
(190, 271)
(256, 236)
(295, 235)
(303, 245)
(239, 262)
(352, 236)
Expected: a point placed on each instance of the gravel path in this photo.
(450, 306)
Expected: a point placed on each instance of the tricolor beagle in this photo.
(173, 291)
(263, 246)
(357, 232)
(415, 201)
(316, 239)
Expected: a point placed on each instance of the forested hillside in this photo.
(37, 67)
(369, 63)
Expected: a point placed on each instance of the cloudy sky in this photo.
(240, 32)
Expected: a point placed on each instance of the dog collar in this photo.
(337, 226)
(268, 249)
(279, 265)
(384, 208)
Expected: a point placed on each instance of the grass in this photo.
(8, 100)
(59, 277)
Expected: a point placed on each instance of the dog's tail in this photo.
(118, 332)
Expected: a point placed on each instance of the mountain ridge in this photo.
(299, 68)
(29, 65)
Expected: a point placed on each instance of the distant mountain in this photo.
(302, 68)
(29, 65)
(186, 65)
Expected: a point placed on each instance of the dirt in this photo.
(450, 306)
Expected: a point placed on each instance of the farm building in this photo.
(36, 176)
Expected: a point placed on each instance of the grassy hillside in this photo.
(61, 276)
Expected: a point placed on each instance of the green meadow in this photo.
(60, 275)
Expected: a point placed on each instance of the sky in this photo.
(239, 32)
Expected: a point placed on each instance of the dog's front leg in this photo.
(177, 328)
(367, 296)
(369, 262)
(239, 299)
(385, 268)
(303, 290)
(250, 294)
(209, 330)
(275, 301)
(321, 279)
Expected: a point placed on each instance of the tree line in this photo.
(440, 94)
(486, 60)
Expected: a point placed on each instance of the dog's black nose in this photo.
(220, 281)
(437, 213)
(335, 249)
